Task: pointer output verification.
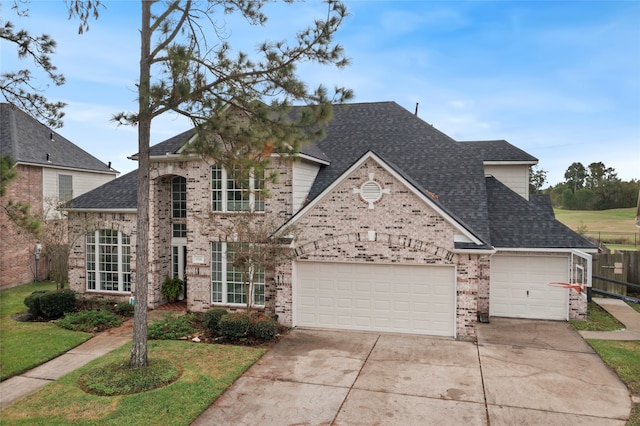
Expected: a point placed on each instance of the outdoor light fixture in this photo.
(36, 256)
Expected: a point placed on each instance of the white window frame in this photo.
(179, 220)
(220, 274)
(123, 262)
(256, 193)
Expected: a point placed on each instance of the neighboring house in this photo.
(51, 170)
(396, 227)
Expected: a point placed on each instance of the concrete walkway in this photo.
(18, 386)
(623, 313)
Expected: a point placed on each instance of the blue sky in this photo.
(560, 80)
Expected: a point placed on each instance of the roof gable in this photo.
(28, 141)
(431, 159)
(428, 199)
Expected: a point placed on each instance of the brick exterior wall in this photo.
(17, 263)
(407, 231)
(337, 228)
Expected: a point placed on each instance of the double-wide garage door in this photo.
(519, 287)
(389, 298)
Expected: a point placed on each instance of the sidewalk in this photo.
(103, 343)
(623, 313)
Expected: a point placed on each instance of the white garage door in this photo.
(390, 298)
(519, 287)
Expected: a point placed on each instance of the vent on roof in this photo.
(371, 191)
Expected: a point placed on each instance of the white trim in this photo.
(473, 251)
(501, 250)
(71, 209)
(75, 169)
(509, 163)
(388, 169)
(313, 159)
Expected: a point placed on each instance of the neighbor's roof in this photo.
(27, 141)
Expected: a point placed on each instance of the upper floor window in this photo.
(236, 190)
(65, 188)
(108, 261)
(179, 207)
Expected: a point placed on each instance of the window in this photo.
(179, 207)
(65, 187)
(108, 261)
(227, 285)
(236, 190)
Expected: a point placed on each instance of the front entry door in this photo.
(178, 262)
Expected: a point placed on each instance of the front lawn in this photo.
(207, 370)
(25, 345)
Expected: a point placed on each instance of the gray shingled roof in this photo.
(499, 150)
(173, 145)
(425, 157)
(517, 223)
(117, 194)
(26, 140)
(433, 160)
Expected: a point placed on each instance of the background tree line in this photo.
(595, 187)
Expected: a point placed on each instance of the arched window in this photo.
(108, 261)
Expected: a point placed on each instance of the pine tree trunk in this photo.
(139, 344)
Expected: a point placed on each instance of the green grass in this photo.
(24, 345)
(605, 225)
(597, 320)
(207, 370)
(614, 220)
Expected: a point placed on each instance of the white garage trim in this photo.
(416, 299)
(519, 287)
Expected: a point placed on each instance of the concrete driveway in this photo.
(520, 372)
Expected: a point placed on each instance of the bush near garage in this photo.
(263, 328)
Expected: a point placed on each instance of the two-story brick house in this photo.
(50, 169)
(398, 228)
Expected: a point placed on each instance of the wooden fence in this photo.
(621, 266)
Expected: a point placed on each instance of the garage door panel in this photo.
(394, 298)
(519, 287)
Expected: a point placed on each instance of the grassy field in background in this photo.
(614, 220)
(605, 225)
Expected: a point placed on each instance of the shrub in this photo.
(234, 326)
(171, 328)
(55, 304)
(264, 328)
(32, 301)
(212, 318)
(89, 321)
(124, 309)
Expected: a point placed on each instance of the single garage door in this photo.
(389, 298)
(519, 287)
